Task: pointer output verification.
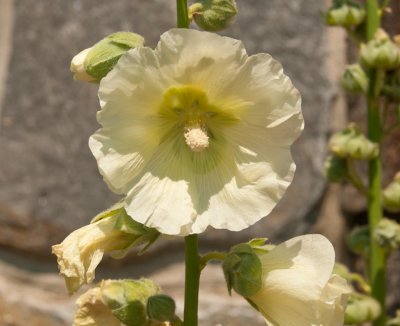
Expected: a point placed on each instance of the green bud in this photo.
(345, 14)
(243, 270)
(351, 143)
(387, 233)
(355, 79)
(127, 299)
(335, 169)
(361, 308)
(359, 240)
(161, 308)
(96, 62)
(391, 195)
(380, 52)
(213, 15)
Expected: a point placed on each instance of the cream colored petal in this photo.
(333, 301)
(159, 197)
(273, 100)
(295, 272)
(93, 312)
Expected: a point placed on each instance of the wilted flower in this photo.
(298, 287)
(196, 133)
(114, 302)
(112, 231)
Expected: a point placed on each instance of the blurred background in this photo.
(49, 182)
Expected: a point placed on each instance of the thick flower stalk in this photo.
(196, 133)
(296, 285)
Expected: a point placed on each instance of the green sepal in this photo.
(103, 56)
(161, 308)
(243, 270)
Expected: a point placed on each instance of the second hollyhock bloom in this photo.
(196, 133)
(298, 287)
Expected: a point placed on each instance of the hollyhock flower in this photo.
(298, 287)
(196, 133)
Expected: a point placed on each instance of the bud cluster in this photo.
(345, 13)
(351, 143)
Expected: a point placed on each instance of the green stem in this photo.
(214, 255)
(182, 14)
(375, 214)
(192, 280)
(354, 178)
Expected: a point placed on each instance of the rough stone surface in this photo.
(48, 178)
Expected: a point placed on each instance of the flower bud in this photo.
(354, 79)
(387, 233)
(335, 169)
(359, 240)
(345, 14)
(161, 308)
(96, 62)
(391, 195)
(380, 52)
(351, 143)
(243, 270)
(112, 231)
(127, 299)
(360, 309)
(78, 68)
(213, 15)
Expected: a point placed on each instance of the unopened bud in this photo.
(161, 308)
(351, 143)
(213, 15)
(360, 309)
(391, 195)
(96, 62)
(354, 79)
(380, 52)
(387, 233)
(345, 14)
(127, 299)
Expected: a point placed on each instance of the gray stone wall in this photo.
(49, 183)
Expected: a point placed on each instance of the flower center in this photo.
(188, 108)
(197, 139)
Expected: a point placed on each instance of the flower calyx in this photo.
(380, 52)
(243, 270)
(354, 79)
(345, 13)
(213, 15)
(391, 195)
(94, 63)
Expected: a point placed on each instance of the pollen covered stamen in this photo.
(197, 139)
